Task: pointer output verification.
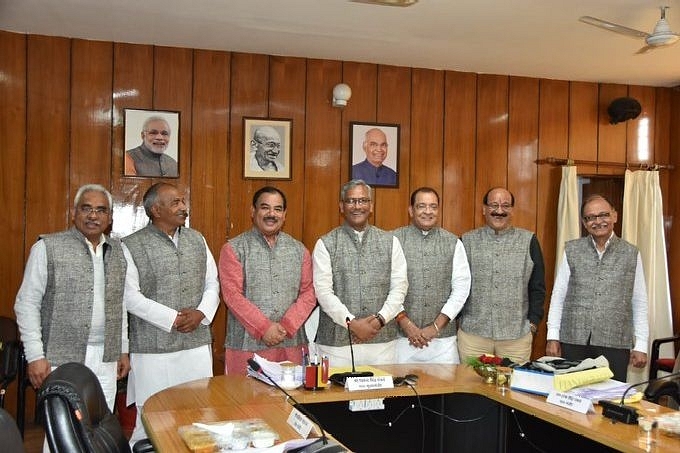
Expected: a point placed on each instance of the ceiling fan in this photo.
(661, 36)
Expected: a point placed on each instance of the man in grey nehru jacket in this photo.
(438, 284)
(266, 279)
(70, 305)
(360, 275)
(507, 293)
(599, 300)
(172, 294)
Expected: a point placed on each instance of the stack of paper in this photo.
(610, 389)
(273, 370)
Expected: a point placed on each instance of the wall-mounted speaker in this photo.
(623, 109)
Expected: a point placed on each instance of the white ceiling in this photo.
(536, 38)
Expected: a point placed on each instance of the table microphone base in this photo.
(619, 412)
(340, 378)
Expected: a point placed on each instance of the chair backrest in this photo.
(9, 433)
(9, 353)
(75, 414)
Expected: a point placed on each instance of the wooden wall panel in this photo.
(460, 131)
(427, 139)
(47, 136)
(611, 145)
(287, 100)
(172, 90)
(323, 149)
(552, 142)
(523, 149)
(492, 137)
(394, 106)
(583, 116)
(249, 93)
(362, 106)
(132, 88)
(90, 105)
(12, 167)
(673, 202)
(209, 183)
(640, 131)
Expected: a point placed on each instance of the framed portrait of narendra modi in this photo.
(151, 143)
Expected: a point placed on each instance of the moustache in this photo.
(183, 213)
(499, 214)
(272, 219)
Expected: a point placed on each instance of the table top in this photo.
(230, 397)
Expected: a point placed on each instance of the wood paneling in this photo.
(209, 183)
(48, 174)
(492, 137)
(458, 195)
(611, 145)
(640, 131)
(12, 165)
(323, 151)
(61, 124)
(523, 149)
(90, 104)
(394, 99)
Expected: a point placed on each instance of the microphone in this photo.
(258, 369)
(628, 414)
(340, 378)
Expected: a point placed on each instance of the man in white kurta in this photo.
(172, 294)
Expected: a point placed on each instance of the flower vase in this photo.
(488, 373)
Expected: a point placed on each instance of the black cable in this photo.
(522, 434)
(449, 418)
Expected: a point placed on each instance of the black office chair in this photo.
(666, 364)
(9, 433)
(9, 355)
(665, 392)
(76, 417)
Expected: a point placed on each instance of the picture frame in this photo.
(374, 152)
(152, 153)
(267, 144)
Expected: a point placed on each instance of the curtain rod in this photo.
(626, 165)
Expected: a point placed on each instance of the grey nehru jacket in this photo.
(66, 310)
(172, 276)
(361, 280)
(598, 304)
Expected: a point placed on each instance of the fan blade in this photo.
(644, 49)
(613, 27)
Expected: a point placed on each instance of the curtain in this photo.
(643, 226)
(568, 215)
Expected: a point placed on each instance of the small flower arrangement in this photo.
(485, 365)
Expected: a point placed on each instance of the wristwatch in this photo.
(533, 327)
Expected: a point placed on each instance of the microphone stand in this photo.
(258, 369)
(627, 414)
(340, 378)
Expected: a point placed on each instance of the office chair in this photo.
(664, 392)
(9, 355)
(76, 417)
(666, 364)
(9, 433)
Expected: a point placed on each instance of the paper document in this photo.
(273, 370)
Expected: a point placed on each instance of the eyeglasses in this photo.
(423, 206)
(496, 206)
(357, 201)
(269, 145)
(600, 216)
(87, 210)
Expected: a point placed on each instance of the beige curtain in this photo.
(642, 226)
(568, 215)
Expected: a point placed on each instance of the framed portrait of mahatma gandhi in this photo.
(375, 153)
(267, 148)
(151, 144)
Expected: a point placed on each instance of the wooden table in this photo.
(239, 397)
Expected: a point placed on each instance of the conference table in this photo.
(449, 408)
